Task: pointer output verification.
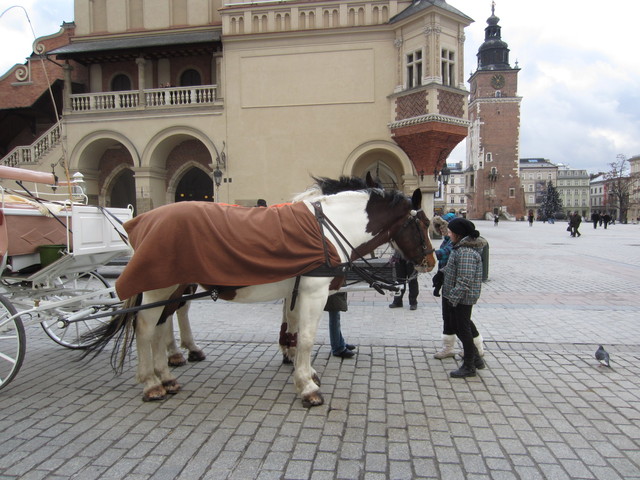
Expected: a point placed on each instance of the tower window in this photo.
(414, 69)
(448, 66)
(512, 192)
(489, 157)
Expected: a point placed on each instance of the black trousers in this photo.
(405, 270)
(460, 318)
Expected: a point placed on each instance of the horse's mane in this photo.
(328, 186)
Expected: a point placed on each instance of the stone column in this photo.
(140, 61)
(151, 188)
(66, 103)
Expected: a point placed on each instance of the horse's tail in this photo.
(122, 327)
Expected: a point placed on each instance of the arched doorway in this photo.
(384, 174)
(123, 192)
(195, 185)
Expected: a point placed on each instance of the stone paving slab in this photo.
(542, 409)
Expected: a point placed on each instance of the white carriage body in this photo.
(94, 240)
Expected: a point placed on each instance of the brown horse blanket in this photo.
(221, 245)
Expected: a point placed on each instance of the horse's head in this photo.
(394, 217)
(412, 240)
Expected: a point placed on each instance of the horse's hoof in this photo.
(177, 360)
(171, 386)
(196, 356)
(154, 394)
(316, 379)
(312, 400)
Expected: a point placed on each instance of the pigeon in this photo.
(602, 356)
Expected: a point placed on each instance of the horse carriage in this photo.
(300, 252)
(50, 251)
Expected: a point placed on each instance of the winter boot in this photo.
(478, 342)
(448, 342)
(467, 369)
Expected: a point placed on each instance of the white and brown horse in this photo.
(350, 224)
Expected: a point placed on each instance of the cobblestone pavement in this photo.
(543, 409)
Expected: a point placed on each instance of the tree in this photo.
(618, 184)
(551, 202)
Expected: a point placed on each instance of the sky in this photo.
(579, 78)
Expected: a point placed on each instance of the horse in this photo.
(341, 227)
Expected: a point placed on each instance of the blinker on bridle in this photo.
(413, 219)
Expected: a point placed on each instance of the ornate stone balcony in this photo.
(147, 99)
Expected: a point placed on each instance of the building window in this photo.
(512, 192)
(448, 64)
(414, 69)
(489, 157)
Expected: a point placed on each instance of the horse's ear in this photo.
(416, 199)
(369, 181)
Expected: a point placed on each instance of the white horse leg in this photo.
(288, 332)
(146, 335)
(308, 310)
(186, 335)
(175, 356)
(160, 362)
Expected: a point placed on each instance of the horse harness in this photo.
(374, 281)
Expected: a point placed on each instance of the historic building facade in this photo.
(574, 191)
(163, 99)
(535, 174)
(492, 177)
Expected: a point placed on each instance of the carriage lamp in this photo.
(217, 176)
(78, 182)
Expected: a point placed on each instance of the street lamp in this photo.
(445, 174)
(217, 178)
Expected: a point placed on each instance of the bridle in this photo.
(413, 219)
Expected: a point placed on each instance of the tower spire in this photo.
(493, 54)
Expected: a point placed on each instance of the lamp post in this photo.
(445, 174)
(217, 178)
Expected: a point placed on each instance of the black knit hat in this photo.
(463, 227)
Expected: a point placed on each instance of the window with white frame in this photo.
(414, 69)
(448, 64)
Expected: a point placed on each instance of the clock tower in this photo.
(492, 176)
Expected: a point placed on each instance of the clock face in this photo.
(497, 81)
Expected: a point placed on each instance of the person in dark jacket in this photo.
(574, 224)
(461, 289)
(595, 218)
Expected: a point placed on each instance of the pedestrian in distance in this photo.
(606, 219)
(574, 224)
(531, 218)
(461, 289)
(595, 218)
(496, 219)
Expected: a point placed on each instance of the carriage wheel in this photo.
(70, 336)
(12, 342)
